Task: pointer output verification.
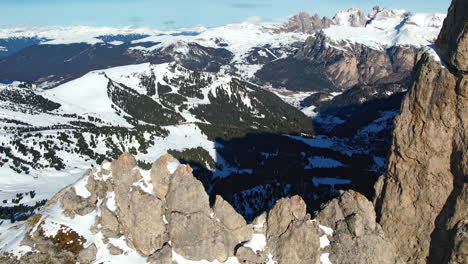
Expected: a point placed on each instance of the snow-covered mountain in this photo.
(234, 102)
(222, 126)
(245, 47)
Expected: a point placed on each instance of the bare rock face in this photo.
(306, 23)
(357, 64)
(153, 219)
(162, 256)
(424, 195)
(136, 209)
(186, 194)
(357, 238)
(452, 43)
(353, 17)
(460, 244)
(198, 232)
(291, 236)
(161, 176)
(248, 256)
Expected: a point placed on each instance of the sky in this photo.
(175, 14)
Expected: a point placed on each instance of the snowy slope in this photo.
(237, 38)
(387, 28)
(85, 122)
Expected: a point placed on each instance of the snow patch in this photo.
(257, 243)
(327, 230)
(324, 258)
(111, 201)
(172, 166)
(324, 242)
(80, 187)
(323, 162)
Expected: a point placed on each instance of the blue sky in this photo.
(171, 14)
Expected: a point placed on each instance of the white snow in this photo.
(241, 38)
(74, 34)
(323, 162)
(50, 228)
(257, 243)
(318, 141)
(172, 166)
(324, 258)
(86, 95)
(10, 240)
(111, 201)
(324, 242)
(328, 231)
(116, 43)
(80, 187)
(388, 28)
(433, 53)
(346, 18)
(309, 111)
(145, 183)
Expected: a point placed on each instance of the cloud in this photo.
(246, 5)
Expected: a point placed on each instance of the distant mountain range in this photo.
(301, 107)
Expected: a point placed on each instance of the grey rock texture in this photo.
(460, 246)
(305, 23)
(357, 237)
(358, 64)
(248, 256)
(424, 195)
(160, 175)
(353, 17)
(162, 256)
(176, 210)
(452, 43)
(292, 238)
(197, 232)
(88, 255)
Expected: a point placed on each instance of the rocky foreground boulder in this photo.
(422, 203)
(119, 213)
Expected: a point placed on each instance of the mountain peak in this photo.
(353, 17)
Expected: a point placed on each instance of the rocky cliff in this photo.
(305, 23)
(119, 213)
(356, 63)
(422, 203)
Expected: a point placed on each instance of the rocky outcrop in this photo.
(357, 237)
(119, 212)
(305, 23)
(291, 236)
(423, 197)
(452, 42)
(120, 200)
(353, 17)
(356, 63)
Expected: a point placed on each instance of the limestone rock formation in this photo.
(120, 201)
(306, 23)
(452, 42)
(357, 238)
(356, 63)
(291, 236)
(117, 212)
(353, 17)
(424, 195)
